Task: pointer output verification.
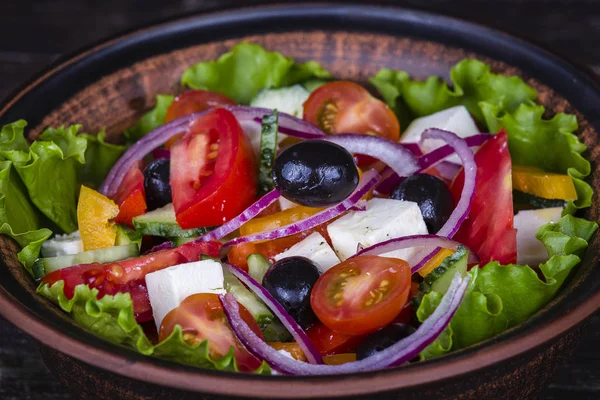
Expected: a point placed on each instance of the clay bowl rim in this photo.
(534, 333)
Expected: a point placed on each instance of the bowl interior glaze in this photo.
(112, 84)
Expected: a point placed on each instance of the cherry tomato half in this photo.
(489, 230)
(131, 197)
(201, 318)
(193, 101)
(330, 342)
(361, 294)
(127, 276)
(346, 107)
(213, 171)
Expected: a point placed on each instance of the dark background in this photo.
(36, 33)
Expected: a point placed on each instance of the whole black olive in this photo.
(382, 339)
(156, 183)
(315, 173)
(290, 280)
(431, 194)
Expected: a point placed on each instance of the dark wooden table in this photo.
(35, 33)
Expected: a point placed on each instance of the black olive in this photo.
(315, 173)
(431, 194)
(156, 183)
(290, 281)
(382, 339)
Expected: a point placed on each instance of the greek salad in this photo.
(271, 218)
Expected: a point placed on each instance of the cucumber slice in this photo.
(44, 266)
(289, 100)
(162, 222)
(178, 241)
(276, 332)
(257, 266)
(440, 278)
(257, 308)
(126, 235)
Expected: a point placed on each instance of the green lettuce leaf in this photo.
(18, 217)
(49, 170)
(502, 296)
(112, 318)
(12, 136)
(472, 83)
(549, 144)
(248, 68)
(150, 120)
(100, 156)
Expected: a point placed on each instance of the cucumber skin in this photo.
(257, 266)
(257, 308)
(162, 222)
(44, 266)
(529, 200)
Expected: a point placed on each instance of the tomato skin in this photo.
(208, 191)
(329, 342)
(361, 294)
(127, 276)
(131, 197)
(489, 229)
(201, 317)
(192, 101)
(346, 107)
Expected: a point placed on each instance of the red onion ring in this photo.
(396, 156)
(397, 354)
(312, 354)
(369, 179)
(413, 241)
(256, 208)
(447, 170)
(160, 135)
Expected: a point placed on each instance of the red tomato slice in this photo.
(213, 171)
(346, 107)
(361, 294)
(201, 317)
(127, 276)
(489, 230)
(330, 342)
(131, 197)
(193, 101)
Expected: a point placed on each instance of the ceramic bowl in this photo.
(111, 84)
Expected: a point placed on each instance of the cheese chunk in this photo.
(456, 119)
(63, 245)
(285, 204)
(530, 250)
(315, 248)
(168, 287)
(383, 219)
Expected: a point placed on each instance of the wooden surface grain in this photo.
(35, 33)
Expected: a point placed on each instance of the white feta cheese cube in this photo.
(315, 248)
(168, 287)
(285, 204)
(383, 219)
(456, 119)
(63, 245)
(530, 250)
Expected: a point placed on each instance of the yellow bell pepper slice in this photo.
(339, 359)
(435, 261)
(542, 184)
(277, 220)
(94, 215)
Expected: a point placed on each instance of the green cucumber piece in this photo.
(530, 201)
(440, 278)
(268, 150)
(276, 332)
(289, 100)
(257, 308)
(178, 241)
(126, 235)
(162, 222)
(44, 266)
(257, 266)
